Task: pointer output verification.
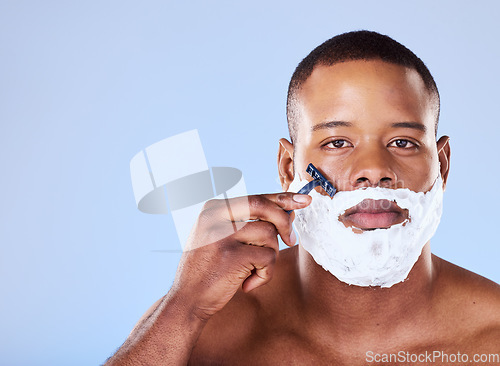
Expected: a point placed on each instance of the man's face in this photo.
(366, 123)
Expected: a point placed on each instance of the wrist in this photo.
(182, 306)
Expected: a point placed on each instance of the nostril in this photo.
(385, 182)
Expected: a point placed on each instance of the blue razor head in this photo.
(323, 182)
(318, 180)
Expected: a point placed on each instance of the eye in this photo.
(402, 144)
(338, 144)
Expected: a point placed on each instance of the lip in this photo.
(374, 214)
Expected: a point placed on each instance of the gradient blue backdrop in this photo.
(86, 85)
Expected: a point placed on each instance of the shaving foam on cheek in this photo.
(380, 257)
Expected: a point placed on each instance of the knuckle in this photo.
(282, 198)
(269, 229)
(227, 249)
(210, 205)
(258, 202)
(209, 211)
(269, 256)
(205, 218)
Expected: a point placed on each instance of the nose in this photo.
(372, 168)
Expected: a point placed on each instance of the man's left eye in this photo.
(402, 144)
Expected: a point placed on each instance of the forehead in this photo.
(364, 89)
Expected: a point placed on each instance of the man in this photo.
(363, 109)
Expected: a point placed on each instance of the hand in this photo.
(225, 250)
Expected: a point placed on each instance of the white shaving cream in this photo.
(380, 257)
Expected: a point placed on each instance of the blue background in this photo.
(85, 85)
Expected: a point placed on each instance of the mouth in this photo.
(374, 214)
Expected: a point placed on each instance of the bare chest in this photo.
(290, 348)
(275, 348)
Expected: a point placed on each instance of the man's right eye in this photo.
(338, 144)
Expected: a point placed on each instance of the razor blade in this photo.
(318, 181)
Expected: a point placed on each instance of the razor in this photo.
(318, 181)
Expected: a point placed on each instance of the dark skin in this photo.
(237, 300)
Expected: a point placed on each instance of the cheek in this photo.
(327, 166)
(299, 163)
(431, 172)
(301, 159)
(417, 174)
(336, 170)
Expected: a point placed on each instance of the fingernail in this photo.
(293, 237)
(300, 198)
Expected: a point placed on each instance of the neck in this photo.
(363, 310)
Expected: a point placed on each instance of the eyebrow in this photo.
(330, 124)
(414, 125)
(333, 124)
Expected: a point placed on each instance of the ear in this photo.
(285, 163)
(444, 153)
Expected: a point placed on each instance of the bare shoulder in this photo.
(471, 302)
(471, 288)
(237, 330)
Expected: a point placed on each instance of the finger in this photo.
(289, 200)
(270, 207)
(260, 204)
(259, 277)
(249, 207)
(263, 261)
(259, 233)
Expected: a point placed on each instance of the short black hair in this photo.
(357, 45)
